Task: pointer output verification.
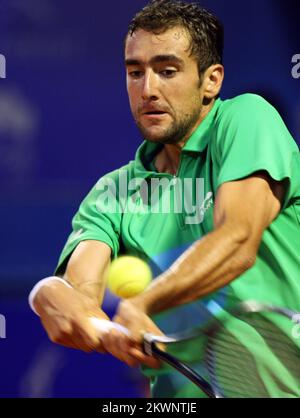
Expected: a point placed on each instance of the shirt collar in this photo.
(144, 155)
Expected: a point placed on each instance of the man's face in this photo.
(163, 85)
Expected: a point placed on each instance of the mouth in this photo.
(154, 113)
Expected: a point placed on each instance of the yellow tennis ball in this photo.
(128, 276)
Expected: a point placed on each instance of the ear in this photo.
(213, 80)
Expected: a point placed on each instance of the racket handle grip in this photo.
(103, 325)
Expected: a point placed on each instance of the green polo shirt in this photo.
(157, 216)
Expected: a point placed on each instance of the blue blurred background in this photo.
(64, 122)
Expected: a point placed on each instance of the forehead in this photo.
(143, 45)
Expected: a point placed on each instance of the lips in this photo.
(153, 111)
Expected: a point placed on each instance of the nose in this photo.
(150, 86)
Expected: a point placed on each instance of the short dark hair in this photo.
(205, 29)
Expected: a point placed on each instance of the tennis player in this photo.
(237, 239)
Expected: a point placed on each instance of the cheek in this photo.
(186, 101)
(183, 93)
(193, 99)
(133, 98)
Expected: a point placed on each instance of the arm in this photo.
(87, 267)
(64, 311)
(243, 210)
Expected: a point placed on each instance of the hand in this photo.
(65, 313)
(129, 348)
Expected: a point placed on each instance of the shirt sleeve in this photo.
(98, 218)
(253, 137)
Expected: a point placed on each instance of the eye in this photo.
(168, 73)
(135, 74)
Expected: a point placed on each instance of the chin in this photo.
(158, 134)
(153, 136)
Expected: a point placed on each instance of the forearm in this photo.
(65, 307)
(207, 266)
(85, 273)
(86, 269)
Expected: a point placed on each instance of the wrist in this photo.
(156, 298)
(141, 302)
(47, 282)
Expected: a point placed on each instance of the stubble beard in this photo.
(177, 132)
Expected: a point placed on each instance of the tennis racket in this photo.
(250, 351)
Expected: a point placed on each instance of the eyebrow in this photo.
(157, 59)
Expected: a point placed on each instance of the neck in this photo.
(168, 159)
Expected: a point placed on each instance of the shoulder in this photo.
(247, 119)
(247, 113)
(245, 105)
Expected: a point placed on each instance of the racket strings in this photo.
(237, 352)
(233, 361)
(279, 343)
(232, 369)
